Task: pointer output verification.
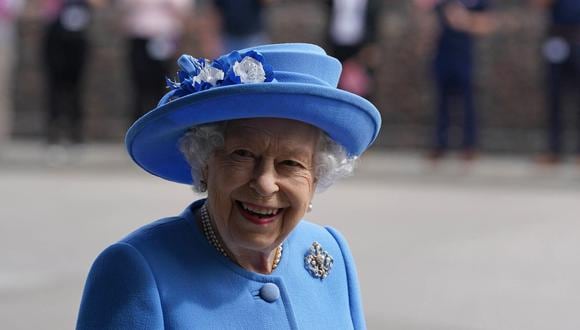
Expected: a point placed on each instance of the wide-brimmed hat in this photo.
(291, 81)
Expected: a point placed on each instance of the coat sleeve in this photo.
(120, 292)
(356, 308)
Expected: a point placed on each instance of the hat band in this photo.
(294, 77)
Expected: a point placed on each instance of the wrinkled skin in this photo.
(260, 185)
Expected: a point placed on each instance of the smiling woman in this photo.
(260, 131)
(260, 184)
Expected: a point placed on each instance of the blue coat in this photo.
(166, 275)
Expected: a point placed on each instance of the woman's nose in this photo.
(264, 181)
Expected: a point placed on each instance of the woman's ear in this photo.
(204, 173)
(314, 187)
(203, 179)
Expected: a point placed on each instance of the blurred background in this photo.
(463, 215)
(509, 83)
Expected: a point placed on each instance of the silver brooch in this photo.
(317, 261)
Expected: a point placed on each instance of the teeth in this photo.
(259, 211)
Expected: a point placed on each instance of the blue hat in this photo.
(291, 81)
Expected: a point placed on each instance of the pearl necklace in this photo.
(212, 238)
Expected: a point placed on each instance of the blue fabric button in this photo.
(270, 292)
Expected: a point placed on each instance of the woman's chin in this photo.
(258, 243)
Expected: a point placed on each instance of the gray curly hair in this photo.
(331, 161)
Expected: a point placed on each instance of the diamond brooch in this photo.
(317, 261)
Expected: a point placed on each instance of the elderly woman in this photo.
(259, 130)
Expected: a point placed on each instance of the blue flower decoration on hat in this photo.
(199, 74)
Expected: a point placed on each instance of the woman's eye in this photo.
(243, 153)
(292, 163)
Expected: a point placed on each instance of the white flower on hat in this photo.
(209, 75)
(250, 70)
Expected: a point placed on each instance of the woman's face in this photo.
(261, 182)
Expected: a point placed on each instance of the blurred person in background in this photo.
(241, 23)
(65, 50)
(561, 52)
(154, 31)
(352, 30)
(9, 11)
(459, 21)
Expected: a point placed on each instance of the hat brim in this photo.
(153, 140)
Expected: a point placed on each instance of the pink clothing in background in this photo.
(150, 19)
(49, 9)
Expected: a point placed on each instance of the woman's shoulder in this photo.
(308, 228)
(165, 229)
(152, 245)
(128, 268)
(158, 238)
(155, 229)
(306, 233)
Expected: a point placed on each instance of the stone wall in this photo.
(509, 75)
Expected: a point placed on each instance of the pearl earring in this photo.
(309, 207)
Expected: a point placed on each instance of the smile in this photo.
(258, 214)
